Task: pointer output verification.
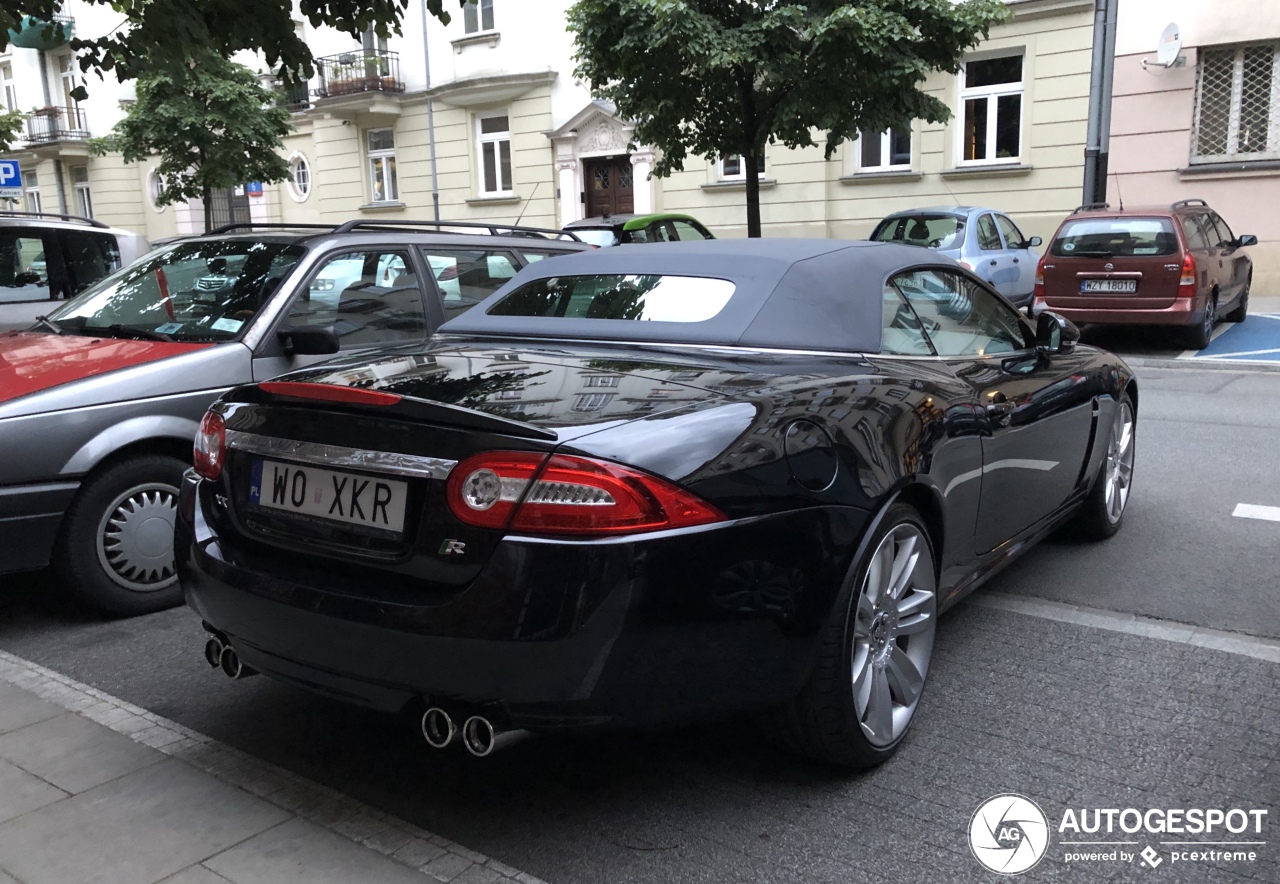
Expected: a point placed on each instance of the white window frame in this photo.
(68, 79)
(480, 7)
(32, 185)
(992, 94)
(588, 402)
(84, 198)
(886, 153)
(741, 174)
(378, 158)
(1233, 153)
(296, 192)
(492, 141)
(8, 87)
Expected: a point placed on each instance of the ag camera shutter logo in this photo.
(1009, 834)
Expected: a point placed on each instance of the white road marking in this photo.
(1257, 511)
(1242, 353)
(305, 799)
(1149, 627)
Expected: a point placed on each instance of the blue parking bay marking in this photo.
(1257, 339)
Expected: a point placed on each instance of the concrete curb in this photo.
(437, 858)
(1238, 366)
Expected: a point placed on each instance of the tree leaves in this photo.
(172, 34)
(212, 126)
(725, 77)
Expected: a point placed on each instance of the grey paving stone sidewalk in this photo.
(93, 789)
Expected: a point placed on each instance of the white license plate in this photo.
(1116, 286)
(324, 494)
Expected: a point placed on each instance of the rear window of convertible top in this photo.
(642, 297)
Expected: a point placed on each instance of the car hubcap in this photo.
(1119, 463)
(135, 538)
(893, 634)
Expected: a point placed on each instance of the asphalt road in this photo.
(1069, 715)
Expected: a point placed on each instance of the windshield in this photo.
(191, 291)
(1112, 237)
(932, 231)
(619, 296)
(600, 237)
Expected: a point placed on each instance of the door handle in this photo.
(993, 262)
(1015, 260)
(999, 408)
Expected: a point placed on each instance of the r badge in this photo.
(453, 547)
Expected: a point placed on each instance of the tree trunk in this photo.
(753, 192)
(206, 195)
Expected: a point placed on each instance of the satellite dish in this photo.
(1169, 46)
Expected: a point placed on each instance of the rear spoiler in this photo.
(363, 400)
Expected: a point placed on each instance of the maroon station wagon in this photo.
(1174, 265)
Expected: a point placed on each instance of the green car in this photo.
(615, 230)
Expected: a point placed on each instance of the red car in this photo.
(1169, 265)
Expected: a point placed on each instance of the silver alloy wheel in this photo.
(1119, 464)
(135, 538)
(893, 631)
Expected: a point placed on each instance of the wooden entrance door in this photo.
(609, 186)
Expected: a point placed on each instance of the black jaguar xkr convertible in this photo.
(650, 484)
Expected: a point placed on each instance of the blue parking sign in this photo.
(10, 180)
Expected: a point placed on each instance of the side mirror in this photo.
(1033, 242)
(1246, 239)
(309, 340)
(1055, 334)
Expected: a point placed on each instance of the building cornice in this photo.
(496, 89)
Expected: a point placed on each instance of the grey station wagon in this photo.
(100, 401)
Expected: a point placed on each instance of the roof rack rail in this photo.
(254, 225)
(92, 222)
(493, 229)
(1092, 207)
(1194, 201)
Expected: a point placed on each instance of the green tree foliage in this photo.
(212, 126)
(724, 77)
(10, 126)
(172, 34)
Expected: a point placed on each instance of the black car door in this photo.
(1038, 410)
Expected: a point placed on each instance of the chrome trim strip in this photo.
(391, 462)
(514, 342)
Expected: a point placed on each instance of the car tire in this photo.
(861, 696)
(115, 547)
(1201, 334)
(1241, 310)
(1102, 512)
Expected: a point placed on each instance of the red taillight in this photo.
(569, 495)
(328, 393)
(1038, 292)
(1188, 279)
(210, 449)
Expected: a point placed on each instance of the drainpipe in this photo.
(431, 117)
(1100, 67)
(1108, 86)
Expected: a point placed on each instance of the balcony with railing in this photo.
(65, 130)
(358, 73)
(298, 96)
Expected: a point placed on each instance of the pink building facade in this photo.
(1208, 126)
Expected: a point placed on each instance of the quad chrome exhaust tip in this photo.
(438, 728)
(213, 652)
(231, 665)
(479, 736)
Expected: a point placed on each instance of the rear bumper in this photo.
(670, 628)
(1183, 311)
(30, 516)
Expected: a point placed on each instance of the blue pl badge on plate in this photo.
(255, 481)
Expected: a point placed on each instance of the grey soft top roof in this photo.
(800, 294)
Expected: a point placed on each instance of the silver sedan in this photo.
(984, 240)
